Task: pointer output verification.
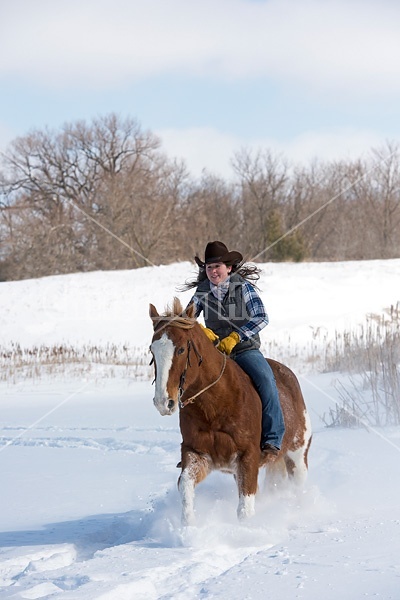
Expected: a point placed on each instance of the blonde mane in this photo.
(175, 316)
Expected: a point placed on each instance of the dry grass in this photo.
(371, 358)
(18, 363)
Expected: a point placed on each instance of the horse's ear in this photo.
(153, 312)
(190, 311)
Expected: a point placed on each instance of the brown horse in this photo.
(220, 410)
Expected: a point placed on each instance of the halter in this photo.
(183, 403)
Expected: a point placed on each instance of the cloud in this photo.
(331, 144)
(202, 148)
(207, 148)
(330, 45)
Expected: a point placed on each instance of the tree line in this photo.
(103, 195)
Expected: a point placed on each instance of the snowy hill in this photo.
(306, 303)
(88, 506)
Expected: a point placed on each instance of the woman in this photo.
(234, 315)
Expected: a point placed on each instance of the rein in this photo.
(183, 403)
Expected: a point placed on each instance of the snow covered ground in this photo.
(88, 505)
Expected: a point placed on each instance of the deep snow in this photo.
(89, 507)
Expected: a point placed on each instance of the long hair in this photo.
(251, 273)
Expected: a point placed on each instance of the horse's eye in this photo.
(180, 350)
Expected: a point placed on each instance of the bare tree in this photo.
(209, 211)
(266, 197)
(71, 190)
(102, 195)
(378, 197)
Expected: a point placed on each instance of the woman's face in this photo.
(217, 272)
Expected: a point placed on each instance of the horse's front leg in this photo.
(195, 468)
(246, 479)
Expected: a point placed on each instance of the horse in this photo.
(220, 411)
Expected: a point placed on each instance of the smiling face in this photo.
(217, 272)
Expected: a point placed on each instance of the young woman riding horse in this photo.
(234, 315)
(220, 409)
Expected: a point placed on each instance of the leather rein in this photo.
(181, 391)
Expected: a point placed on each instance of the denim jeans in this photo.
(255, 365)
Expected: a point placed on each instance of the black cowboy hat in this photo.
(218, 252)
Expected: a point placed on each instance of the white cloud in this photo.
(201, 148)
(331, 144)
(207, 148)
(335, 44)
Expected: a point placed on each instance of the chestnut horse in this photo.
(220, 410)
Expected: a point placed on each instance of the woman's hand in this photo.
(210, 334)
(228, 343)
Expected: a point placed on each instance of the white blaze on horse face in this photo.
(163, 352)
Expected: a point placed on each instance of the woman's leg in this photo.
(256, 366)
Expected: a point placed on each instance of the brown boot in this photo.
(269, 449)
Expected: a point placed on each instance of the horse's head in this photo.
(170, 348)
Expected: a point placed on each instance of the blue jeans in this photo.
(255, 365)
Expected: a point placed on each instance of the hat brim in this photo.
(229, 259)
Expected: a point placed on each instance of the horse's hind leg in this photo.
(194, 469)
(276, 474)
(297, 460)
(296, 464)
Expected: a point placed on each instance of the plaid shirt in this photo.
(254, 306)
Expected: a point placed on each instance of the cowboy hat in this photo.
(218, 252)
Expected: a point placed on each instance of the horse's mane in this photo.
(175, 316)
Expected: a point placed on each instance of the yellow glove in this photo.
(227, 344)
(209, 333)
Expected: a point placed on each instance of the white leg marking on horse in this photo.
(186, 489)
(163, 352)
(300, 469)
(246, 507)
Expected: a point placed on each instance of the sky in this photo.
(89, 507)
(303, 78)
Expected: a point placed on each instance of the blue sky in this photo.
(305, 78)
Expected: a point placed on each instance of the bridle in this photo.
(181, 391)
(182, 379)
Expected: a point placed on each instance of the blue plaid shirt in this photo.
(254, 306)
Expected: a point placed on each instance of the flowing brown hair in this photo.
(250, 273)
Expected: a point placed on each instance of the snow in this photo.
(89, 507)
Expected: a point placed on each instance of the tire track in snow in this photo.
(150, 444)
(101, 444)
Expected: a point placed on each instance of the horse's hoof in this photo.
(244, 514)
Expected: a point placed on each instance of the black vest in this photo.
(229, 315)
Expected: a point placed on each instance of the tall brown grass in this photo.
(370, 357)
